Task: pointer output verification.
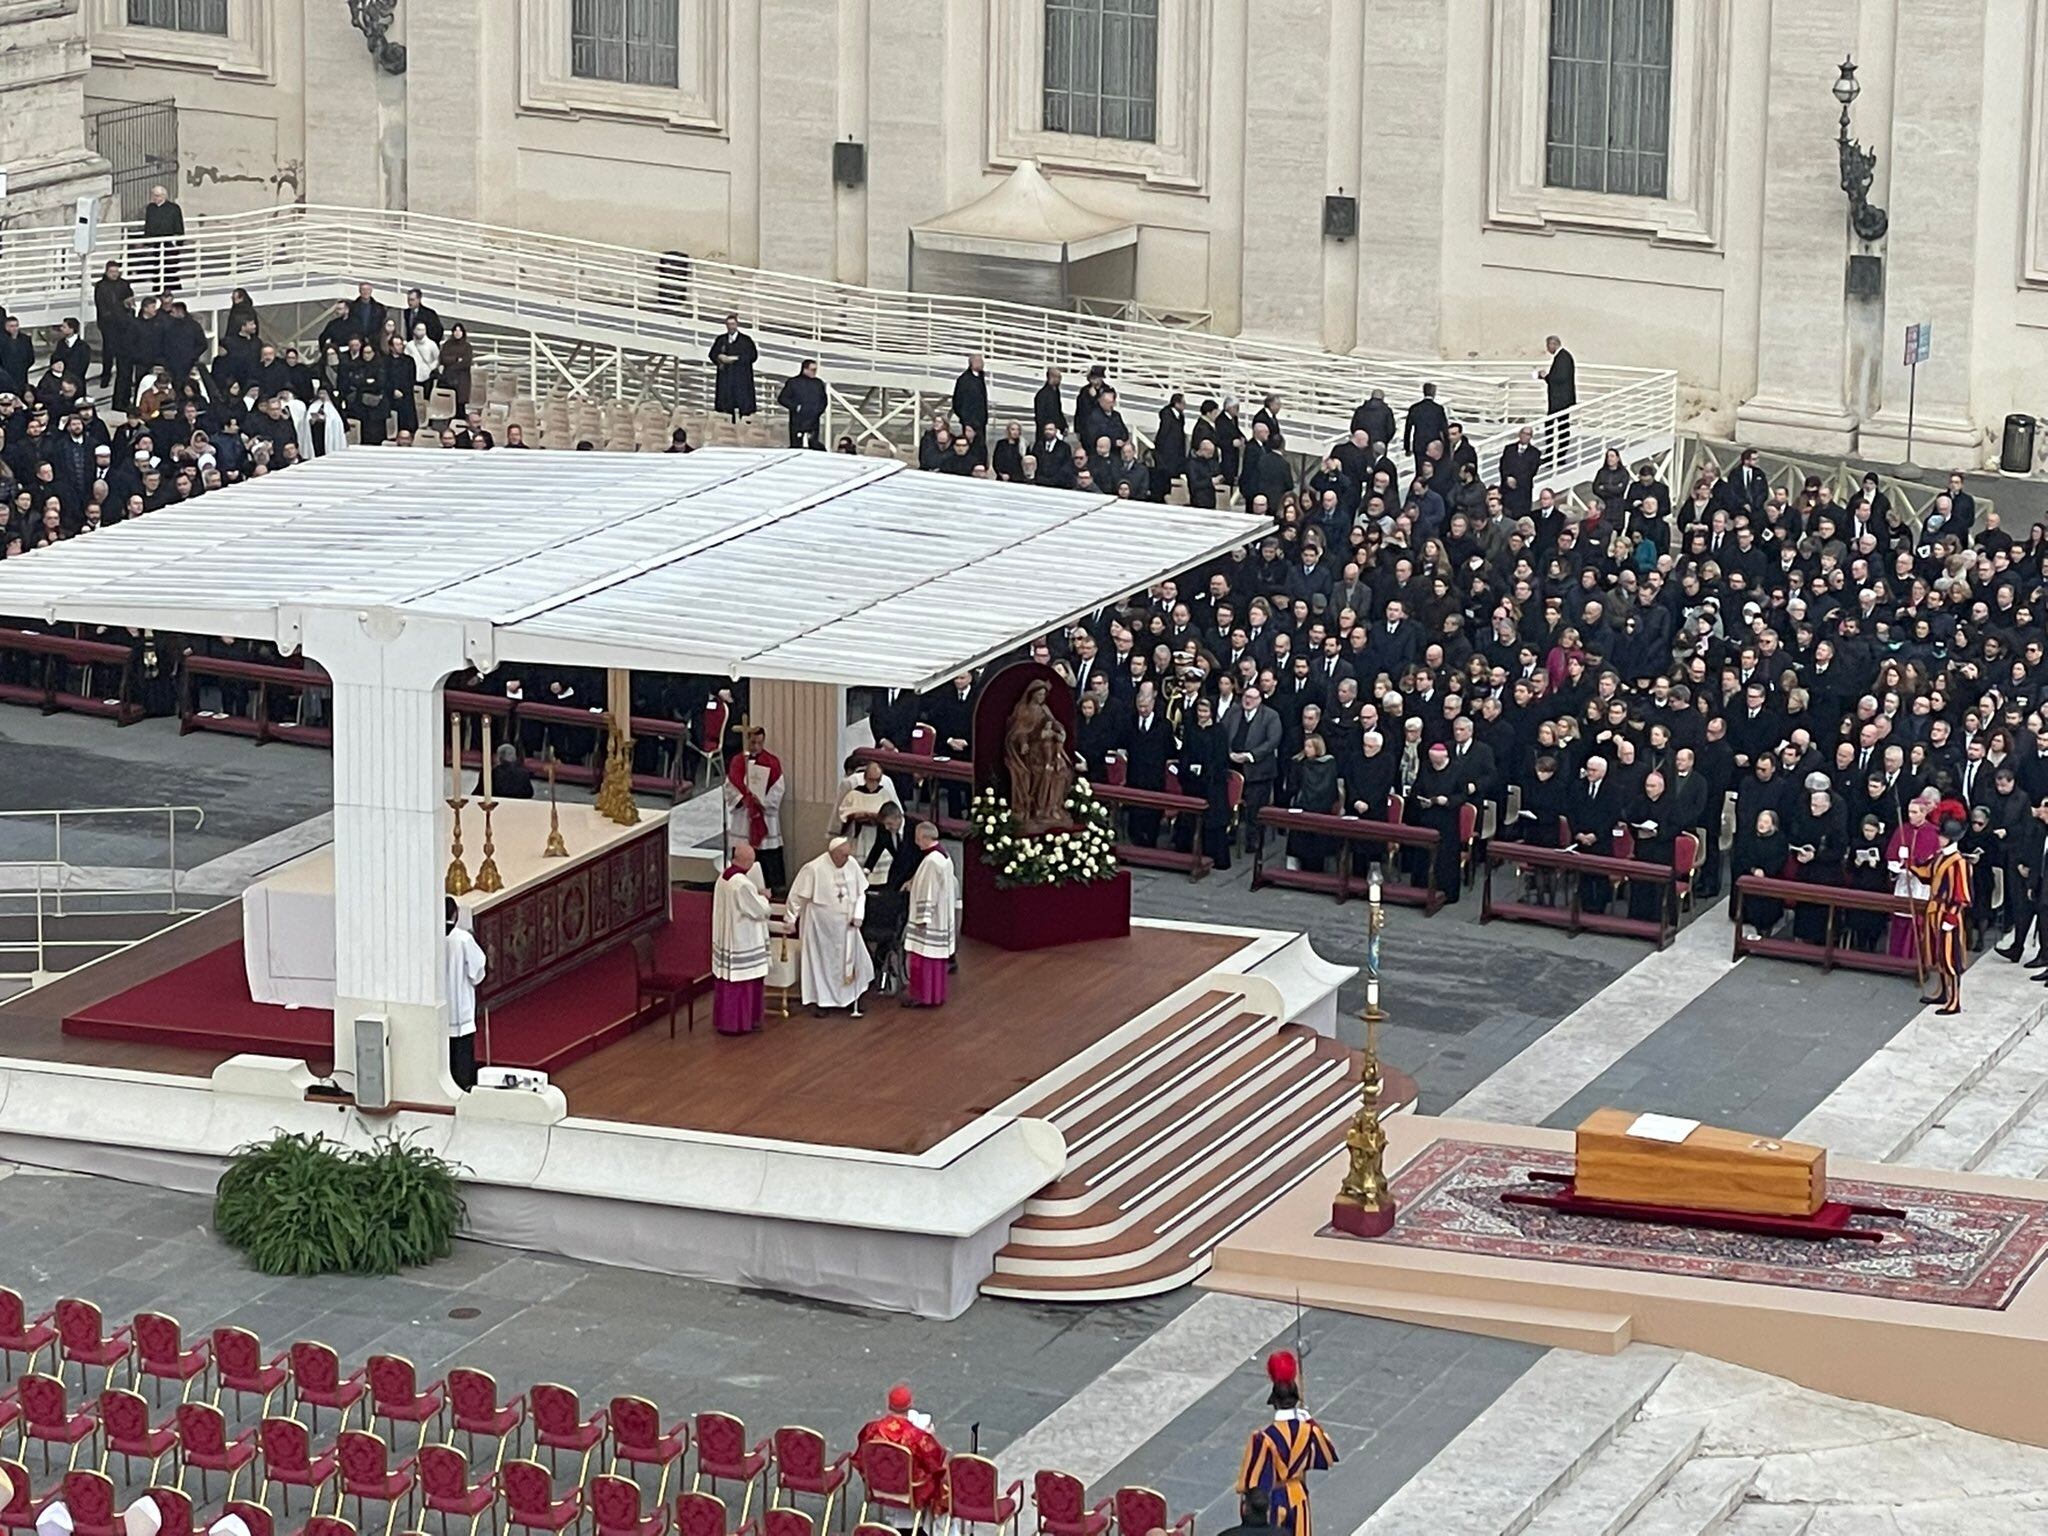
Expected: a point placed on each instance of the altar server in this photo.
(934, 921)
(860, 806)
(1942, 942)
(753, 804)
(826, 904)
(464, 963)
(739, 945)
(1281, 1454)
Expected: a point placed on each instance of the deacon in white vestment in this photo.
(860, 807)
(934, 921)
(826, 903)
(739, 944)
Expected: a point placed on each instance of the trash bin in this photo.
(2016, 456)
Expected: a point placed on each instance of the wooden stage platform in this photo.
(899, 1080)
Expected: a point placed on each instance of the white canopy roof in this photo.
(744, 563)
(1027, 218)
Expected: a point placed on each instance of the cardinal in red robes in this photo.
(899, 1426)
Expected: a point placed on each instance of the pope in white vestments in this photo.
(933, 931)
(827, 901)
(739, 945)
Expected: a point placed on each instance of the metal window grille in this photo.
(140, 143)
(634, 42)
(1102, 68)
(1609, 124)
(209, 16)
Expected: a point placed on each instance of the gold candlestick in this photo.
(487, 877)
(1364, 1207)
(457, 883)
(556, 848)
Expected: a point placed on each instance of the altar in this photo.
(551, 915)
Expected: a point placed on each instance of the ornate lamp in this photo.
(1859, 165)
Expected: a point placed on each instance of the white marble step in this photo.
(1526, 1447)
(1928, 1066)
(1616, 1484)
(1769, 1520)
(2023, 1151)
(1699, 1500)
(1970, 1129)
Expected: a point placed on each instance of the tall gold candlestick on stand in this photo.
(487, 876)
(457, 883)
(556, 848)
(1364, 1206)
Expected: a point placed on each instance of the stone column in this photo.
(344, 111)
(1802, 324)
(389, 853)
(799, 46)
(1285, 54)
(1931, 253)
(43, 59)
(1401, 206)
(445, 45)
(906, 128)
(806, 726)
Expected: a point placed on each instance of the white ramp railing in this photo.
(672, 304)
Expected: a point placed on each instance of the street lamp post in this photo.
(1859, 165)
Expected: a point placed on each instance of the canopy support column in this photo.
(390, 844)
(806, 726)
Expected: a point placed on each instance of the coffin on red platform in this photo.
(1041, 916)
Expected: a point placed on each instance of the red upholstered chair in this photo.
(1397, 810)
(559, 1425)
(474, 1410)
(709, 747)
(1139, 1510)
(326, 1525)
(175, 1509)
(1685, 858)
(285, 1448)
(20, 1510)
(1062, 1503)
(125, 1431)
(161, 1355)
(1233, 793)
(723, 1455)
(395, 1395)
(1119, 766)
(975, 1494)
(1468, 823)
(364, 1463)
(317, 1382)
(924, 741)
(869, 1528)
(667, 989)
(90, 1499)
(445, 1487)
(787, 1522)
(614, 1504)
(83, 1340)
(639, 1440)
(10, 1411)
(528, 1490)
(239, 1367)
(204, 1446)
(46, 1417)
(259, 1520)
(703, 1514)
(21, 1334)
(888, 1478)
(1624, 845)
(803, 1465)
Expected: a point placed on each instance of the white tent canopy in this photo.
(1027, 218)
(808, 567)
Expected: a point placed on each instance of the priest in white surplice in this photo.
(739, 944)
(934, 921)
(861, 801)
(826, 903)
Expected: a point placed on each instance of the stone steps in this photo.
(1526, 1449)
(1698, 1500)
(1972, 1128)
(1620, 1481)
(1769, 1520)
(2023, 1152)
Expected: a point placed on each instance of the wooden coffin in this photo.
(1711, 1170)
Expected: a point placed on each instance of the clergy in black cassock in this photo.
(733, 354)
(1653, 821)
(1439, 796)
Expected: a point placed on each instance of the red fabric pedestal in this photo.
(1041, 916)
(1355, 1221)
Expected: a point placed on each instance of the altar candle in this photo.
(454, 757)
(487, 757)
(1372, 993)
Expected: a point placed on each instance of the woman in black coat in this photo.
(1315, 789)
(1205, 772)
(1760, 849)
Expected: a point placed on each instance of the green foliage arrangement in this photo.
(305, 1205)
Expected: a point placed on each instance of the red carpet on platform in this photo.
(205, 1004)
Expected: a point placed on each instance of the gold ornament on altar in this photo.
(456, 882)
(1364, 1207)
(556, 848)
(487, 877)
(615, 790)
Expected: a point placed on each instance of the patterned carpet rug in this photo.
(1953, 1249)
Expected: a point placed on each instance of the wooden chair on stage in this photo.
(668, 989)
(1061, 1500)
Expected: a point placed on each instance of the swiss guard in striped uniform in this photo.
(1941, 921)
(1280, 1455)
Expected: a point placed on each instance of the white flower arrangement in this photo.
(1085, 854)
